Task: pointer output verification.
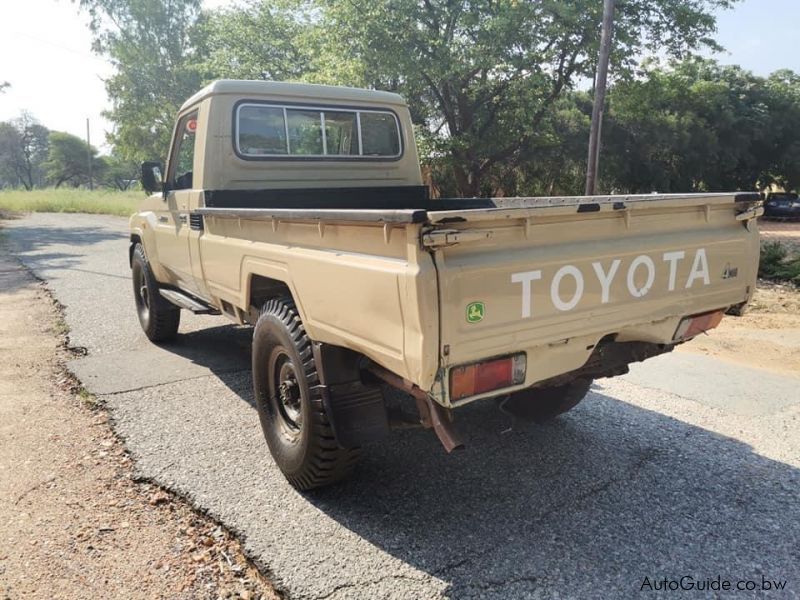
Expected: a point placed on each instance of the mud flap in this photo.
(357, 413)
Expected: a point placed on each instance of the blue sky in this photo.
(46, 50)
(761, 35)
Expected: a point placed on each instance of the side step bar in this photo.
(185, 301)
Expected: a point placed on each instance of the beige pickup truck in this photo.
(300, 210)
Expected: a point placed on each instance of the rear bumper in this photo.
(592, 355)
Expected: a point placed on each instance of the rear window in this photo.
(274, 131)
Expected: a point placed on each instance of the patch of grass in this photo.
(778, 263)
(88, 399)
(65, 200)
(60, 327)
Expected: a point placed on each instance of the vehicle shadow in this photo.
(586, 506)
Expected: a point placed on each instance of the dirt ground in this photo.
(766, 337)
(73, 522)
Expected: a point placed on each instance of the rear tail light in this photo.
(478, 378)
(697, 324)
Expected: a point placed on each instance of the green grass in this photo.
(779, 263)
(105, 202)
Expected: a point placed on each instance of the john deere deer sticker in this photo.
(475, 312)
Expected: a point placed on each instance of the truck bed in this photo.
(407, 301)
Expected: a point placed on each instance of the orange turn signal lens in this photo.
(481, 377)
(697, 324)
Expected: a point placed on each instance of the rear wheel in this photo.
(290, 404)
(158, 317)
(544, 404)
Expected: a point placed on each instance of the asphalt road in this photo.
(686, 467)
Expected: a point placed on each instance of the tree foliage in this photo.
(149, 44)
(701, 126)
(261, 40)
(23, 149)
(494, 86)
(117, 173)
(68, 161)
(483, 75)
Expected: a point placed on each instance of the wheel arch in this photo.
(262, 286)
(134, 239)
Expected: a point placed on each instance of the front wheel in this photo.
(290, 404)
(546, 403)
(159, 319)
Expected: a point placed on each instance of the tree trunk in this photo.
(468, 181)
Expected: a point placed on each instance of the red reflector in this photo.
(692, 326)
(492, 375)
(478, 378)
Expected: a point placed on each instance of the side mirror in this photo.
(152, 181)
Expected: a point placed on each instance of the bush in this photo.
(778, 263)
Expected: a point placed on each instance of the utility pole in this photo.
(89, 155)
(593, 162)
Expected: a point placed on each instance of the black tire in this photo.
(290, 405)
(737, 311)
(544, 404)
(157, 316)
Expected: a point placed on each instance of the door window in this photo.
(183, 154)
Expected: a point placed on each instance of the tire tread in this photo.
(326, 462)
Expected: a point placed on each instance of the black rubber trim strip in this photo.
(393, 197)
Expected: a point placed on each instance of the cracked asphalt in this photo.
(686, 467)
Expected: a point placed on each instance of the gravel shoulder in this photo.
(74, 521)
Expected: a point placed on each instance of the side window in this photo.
(183, 153)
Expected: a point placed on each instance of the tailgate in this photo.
(552, 279)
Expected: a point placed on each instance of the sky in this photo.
(45, 53)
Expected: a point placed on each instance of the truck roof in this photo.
(312, 91)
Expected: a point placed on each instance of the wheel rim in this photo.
(142, 293)
(287, 394)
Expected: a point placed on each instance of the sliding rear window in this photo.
(264, 131)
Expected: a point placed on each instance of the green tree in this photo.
(260, 40)
(67, 161)
(23, 149)
(155, 68)
(118, 173)
(697, 125)
(783, 89)
(483, 76)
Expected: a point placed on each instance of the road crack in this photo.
(361, 584)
